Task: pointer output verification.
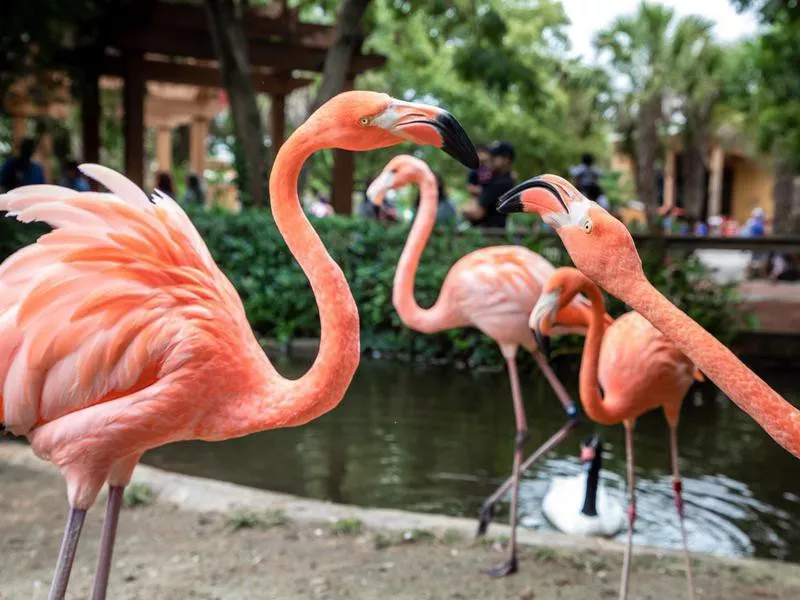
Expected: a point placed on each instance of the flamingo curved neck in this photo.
(438, 317)
(769, 409)
(601, 410)
(325, 383)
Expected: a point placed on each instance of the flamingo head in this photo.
(362, 120)
(599, 244)
(558, 291)
(399, 172)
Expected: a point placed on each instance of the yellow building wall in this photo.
(752, 186)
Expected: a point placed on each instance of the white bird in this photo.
(580, 505)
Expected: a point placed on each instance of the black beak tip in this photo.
(455, 140)
(509, 204)
(543, 343)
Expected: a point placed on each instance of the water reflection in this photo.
(432, 439)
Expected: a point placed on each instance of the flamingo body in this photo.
(119, 333)
(640, 369)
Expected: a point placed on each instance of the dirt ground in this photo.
(167, 552)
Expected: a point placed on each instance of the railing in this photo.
(783, 244)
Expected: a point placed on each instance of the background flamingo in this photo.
(627, 371)
(118, 332)
(493, 289)
(603, 249)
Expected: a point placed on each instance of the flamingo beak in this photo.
(534, 195)
(378, 188)
(546, 307)
(431, 126)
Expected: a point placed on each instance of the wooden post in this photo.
(19, 127)
(278, 121)
(716, 166)
(344, 166)
(197, 145)
(164, 148)
(90, 119)
(669, 179)
(133, 126)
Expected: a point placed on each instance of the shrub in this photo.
(279, 302)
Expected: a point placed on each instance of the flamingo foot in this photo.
(507, 568)
(486, 516)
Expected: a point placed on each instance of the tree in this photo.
(697, 82)
(347, 41)
(775, 57)
(225, 23)
(639, 50)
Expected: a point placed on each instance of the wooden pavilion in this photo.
(165, 60)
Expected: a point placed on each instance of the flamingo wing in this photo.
(122, 292)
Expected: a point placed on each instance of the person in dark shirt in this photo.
(21, 169)
(479, 177)
(483, 212)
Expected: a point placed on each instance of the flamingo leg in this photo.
(66, 556)
(510, 566)
(487, 512)
(678, 488)
(626, 563)
(115, 495)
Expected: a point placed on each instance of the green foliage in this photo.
(347, 526)
(137, 494)
(280, 304)
(772, 80)
(245, 519)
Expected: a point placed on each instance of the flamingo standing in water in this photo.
(493, 289)
(119, 333)
(627, 369)
(602, 248)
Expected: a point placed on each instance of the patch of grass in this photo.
(388, 540)
(419, 535)
(452, 536)
(137, 494)
(244, 519)
(346, 527)
(545, 555)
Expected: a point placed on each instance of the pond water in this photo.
(434, 439)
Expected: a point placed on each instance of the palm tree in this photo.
(654, 56)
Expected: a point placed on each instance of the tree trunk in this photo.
(787, 200)
(225, 23)
(693, 169)
(346, 43)
(646, 154)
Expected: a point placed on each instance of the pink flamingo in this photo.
(602, 248)
(119, 333)
(493, 289)
(627, 369)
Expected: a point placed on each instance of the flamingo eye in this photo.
(364, 121)
(587, 225)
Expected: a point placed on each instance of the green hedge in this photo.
(280, 305)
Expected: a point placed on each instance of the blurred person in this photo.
(700, 228)
(756, 224)
(194, 193)
(73, 178)
(21, 169)
(164, 183)
(586, 178)
(483, 211)
(321, 207)
(479, 177)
